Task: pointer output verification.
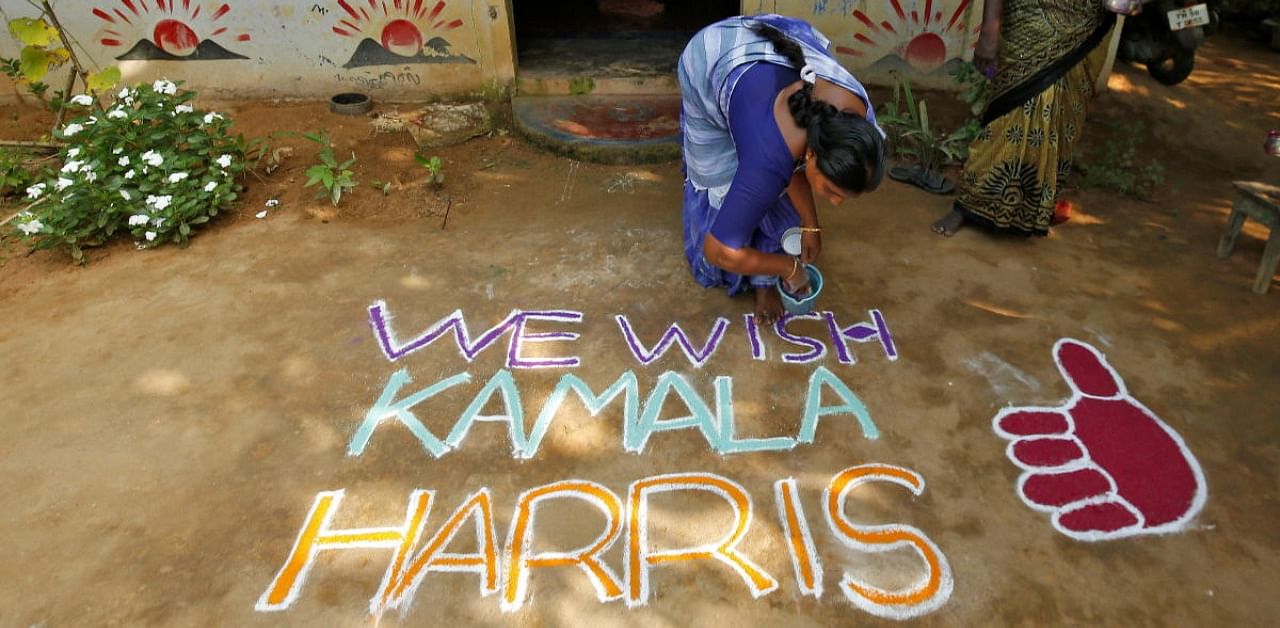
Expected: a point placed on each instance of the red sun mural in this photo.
(924, 39)
(171, 30)
(394, 32)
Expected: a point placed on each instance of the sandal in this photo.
(932, 181)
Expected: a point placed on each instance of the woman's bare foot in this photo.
(768, 306)
(949, 224)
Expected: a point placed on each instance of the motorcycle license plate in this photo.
(1197, 15)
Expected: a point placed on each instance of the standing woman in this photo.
(1043, 57)
(769, 119)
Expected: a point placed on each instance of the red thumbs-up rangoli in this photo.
(1103, 464)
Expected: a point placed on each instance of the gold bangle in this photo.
(811, 229)
(795, 266)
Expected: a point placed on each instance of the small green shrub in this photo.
(434, 167)
(336, 178)
(15, 173)
(906, 121)
(151, 165)
(1116, 165)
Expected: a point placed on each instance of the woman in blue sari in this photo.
(769, 119)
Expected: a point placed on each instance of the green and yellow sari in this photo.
(1050, 57)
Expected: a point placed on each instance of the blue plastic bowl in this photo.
(801, 306)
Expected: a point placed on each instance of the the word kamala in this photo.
(640, 420)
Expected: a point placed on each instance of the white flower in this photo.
(117, 113)
(124, 93)
(130, 174)
(91, 176)
(152, 158)
(151, 235)
(125, 194)
(272, 203)
(138, 220)
(36, 191)
(91, 121)
(84, 100)
(31, 228)
(211, 116)
(158, 222)
(72, 153)
(261, 214)
(158, 203)
(117, 151)
(72, 166)
(124, 161)
(177, 176)
(183, 109)
(72, 129)
(224, 161)
(165, 87)
(62, 184)
(208, 187)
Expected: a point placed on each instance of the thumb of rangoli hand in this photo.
(1103, 464)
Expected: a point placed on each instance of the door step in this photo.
(622, 129)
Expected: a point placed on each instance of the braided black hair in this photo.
(849, 148)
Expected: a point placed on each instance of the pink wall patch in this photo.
(1103, 464)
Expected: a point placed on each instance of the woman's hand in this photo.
(810, 247)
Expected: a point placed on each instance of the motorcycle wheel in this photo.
(1173, 70)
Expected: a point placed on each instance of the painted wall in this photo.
(395, 49)
(420, 49)
(922, 39)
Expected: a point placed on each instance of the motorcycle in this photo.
(1165, 36)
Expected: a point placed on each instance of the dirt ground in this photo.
(170, 416)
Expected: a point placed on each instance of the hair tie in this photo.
(808, 74)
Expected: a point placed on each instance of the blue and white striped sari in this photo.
(708, 71)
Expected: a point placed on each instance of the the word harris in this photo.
(508, 568)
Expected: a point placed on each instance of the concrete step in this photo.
(602, 128)
(548, 84)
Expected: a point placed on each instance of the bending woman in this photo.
(769, 119)
(1044, 57)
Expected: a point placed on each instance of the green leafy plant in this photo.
(911, 136)
(973, 92)
(15, 173)
(1117, 165)
(263, 149)
(434, 167)
(46, 48)
(336, 178)
(12, 68)
(151, 165)
(382, 186)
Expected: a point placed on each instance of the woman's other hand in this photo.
(987, 51)
(798, 283)
(810, 247)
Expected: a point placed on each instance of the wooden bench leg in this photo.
(1234, 224)
(1270, 258)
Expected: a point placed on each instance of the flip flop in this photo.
(932, 182)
